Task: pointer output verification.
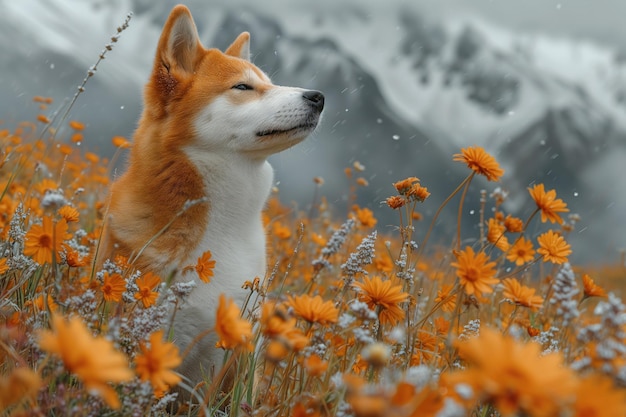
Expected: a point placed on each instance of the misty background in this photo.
(540, 84)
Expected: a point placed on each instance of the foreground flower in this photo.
(475, 273)
(146, 284)
(598, 397)
(516, 378)
(521, 294)
(233, 331)
(549, 205)
(521, 252)
(113, 287)
(553, 247)
(93, 359)
(383, 297)
(314, 309)
(480, 162)
(44, 239)
(205, 267)
(21, 384)
(157, 363)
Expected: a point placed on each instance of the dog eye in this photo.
(243, 87)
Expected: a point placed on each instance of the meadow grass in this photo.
(348, 321)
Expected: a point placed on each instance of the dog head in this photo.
(222, 101)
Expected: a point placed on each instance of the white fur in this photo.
(231, 158)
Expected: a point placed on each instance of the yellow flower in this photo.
(93, 359)
(547, 202)
(553, 247)
(521, 294)
(383, 297)
(232, 330)
(521, 252)
(591, 288)
(44, 239)
(157, 363)
(476, 274)
(205, 267)
(314, 309)
(516, 378)
(480, 162)
(113, 287)
(146, 284)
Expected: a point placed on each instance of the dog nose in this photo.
(315, 99)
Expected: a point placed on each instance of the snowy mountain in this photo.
(404, 91)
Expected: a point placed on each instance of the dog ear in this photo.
(240, 47)
(179, 45)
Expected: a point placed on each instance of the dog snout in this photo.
(315, 99)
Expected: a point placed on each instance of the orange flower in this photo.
(425, 347)
(44, 239)
(513, 224)
(73, 259)
(598, 397)
(113, 287)
(205, 267)
(315, 366)
(281, 231)
(3, 265)
(76, 125)
(147, 283)
(418, 193)
(120, 142)
(444, 296)
(232, 330)
(383, 297)
(516, 378)
(366, 217)
(314, 309)
(480, 162)
(521, 252)
(70, 214)
(495, 234)
(93, 359)
(395, 201)
(553, 247)
(476, 274)
(549, 205)
(521, 294)
(22, 383)
(404, 185)
(591, 288)
(157, 363)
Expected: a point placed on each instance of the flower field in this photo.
(348, 321)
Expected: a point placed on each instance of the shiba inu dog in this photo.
(210, 121)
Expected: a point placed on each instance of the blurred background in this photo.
(540, 84)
